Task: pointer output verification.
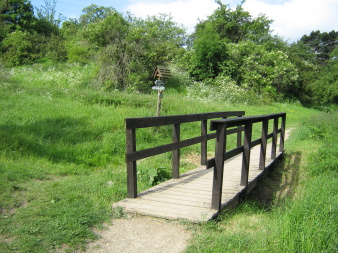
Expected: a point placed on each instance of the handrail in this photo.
(221, 155)
(132, 155)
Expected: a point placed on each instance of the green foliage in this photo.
(231, 42)
(262, 70)
(17, 14)
(237, 25)
(109, 31)
(321, 44)
(209, 55)
(135, 49)
(22, 48)
(325, 88)
(153, 176)
(47, 13)
(224, 89)
(179, 81)
(94, 14)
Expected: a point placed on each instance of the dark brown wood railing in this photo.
(133, 154)
(221, 126)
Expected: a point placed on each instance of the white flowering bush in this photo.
(268, 72)
(223, 88)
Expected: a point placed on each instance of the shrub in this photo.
(22, 47)
(223, 88)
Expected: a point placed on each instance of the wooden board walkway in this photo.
(189, 197)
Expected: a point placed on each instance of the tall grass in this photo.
(62, 151)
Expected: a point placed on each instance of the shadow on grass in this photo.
(279, 184)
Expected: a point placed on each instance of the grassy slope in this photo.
(62, 152)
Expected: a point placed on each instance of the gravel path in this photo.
(141, 234)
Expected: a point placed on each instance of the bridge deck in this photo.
(189, 197)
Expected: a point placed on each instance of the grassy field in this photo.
(62, 166)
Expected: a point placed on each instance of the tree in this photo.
(237, 25)
(95, 13)
(21, 47)
(130, 55)
(321, 44)
(325, 88)
(262, 70)
(17, 14)
(47, 13)
(209, 55)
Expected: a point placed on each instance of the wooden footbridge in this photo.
(202, 193)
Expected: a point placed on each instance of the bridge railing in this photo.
(132, 154)
(221, 126)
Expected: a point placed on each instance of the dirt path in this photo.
(141, 234)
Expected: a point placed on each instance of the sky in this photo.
(291, 18)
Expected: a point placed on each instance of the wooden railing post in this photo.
(219, 167)
(246, 153)
(282, 134)
(131, 165)
(176, 153)
(274, 138)
(262, 158)
(204, 143)
(239, 137)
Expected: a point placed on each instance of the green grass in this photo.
(62, 157)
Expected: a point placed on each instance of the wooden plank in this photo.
(132, 123)
(233, 122)
(232, 153)
(137, 155)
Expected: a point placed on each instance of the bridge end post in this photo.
(274, 138)
(216, 202)
(176, 135)
(282, 134)
(131, 165)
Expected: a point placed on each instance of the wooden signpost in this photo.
(160, 73)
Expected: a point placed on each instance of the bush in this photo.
(223, 88)
(22, 47)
